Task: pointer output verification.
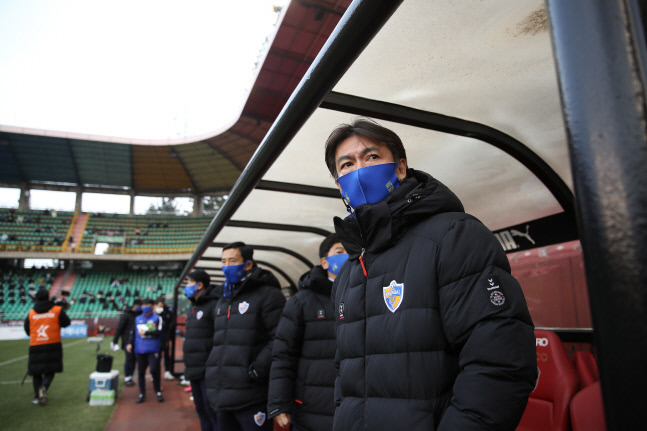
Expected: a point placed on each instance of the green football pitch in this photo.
(66, 408)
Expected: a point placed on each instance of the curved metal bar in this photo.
(456, 126)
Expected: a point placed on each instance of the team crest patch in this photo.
(199, 315)
(393, 294)
(259, 418)
(243, 306)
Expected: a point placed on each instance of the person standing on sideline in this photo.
(246, 316)
(303, 372)
(146, 342)
(433, 332)
(168, 331)
(198, 340)
(43, 325)
(124, 329)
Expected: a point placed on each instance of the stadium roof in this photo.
(33, 158)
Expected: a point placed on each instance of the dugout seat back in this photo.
(586, 368)
(587, 409)
(548, 405)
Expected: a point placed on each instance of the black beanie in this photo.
(42, 295)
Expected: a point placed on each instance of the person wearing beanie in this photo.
(302, 376)
(43, 325)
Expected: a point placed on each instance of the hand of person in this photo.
(114, 347)
(283, 419)
(141, 331)
(129, 348)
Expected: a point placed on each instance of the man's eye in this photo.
(373, 156)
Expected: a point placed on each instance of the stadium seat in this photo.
(586, 368)
(587, 409)
(548, 405)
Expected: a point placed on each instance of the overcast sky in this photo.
(144, 69)
(148, 69)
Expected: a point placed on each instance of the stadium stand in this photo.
(104, 294)
(32, 230)
(137, 234)
(19, 288)
(51, 231)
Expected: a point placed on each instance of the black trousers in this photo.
(129, 363)
(208, 418)
(145, 360)
(42, 380)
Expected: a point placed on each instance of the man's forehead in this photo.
(355, 144)
(231, 252)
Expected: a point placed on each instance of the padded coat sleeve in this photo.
(271, 314)
(487, 322)
(285, 358)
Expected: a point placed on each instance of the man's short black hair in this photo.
(137, 301)
(364, 128)
(327, 244)
(200, 276)
(147, 301)
(245, 251)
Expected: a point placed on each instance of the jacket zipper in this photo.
(361, 261)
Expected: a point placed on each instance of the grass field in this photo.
(66, 409)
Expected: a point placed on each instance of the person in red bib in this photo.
(43, 325)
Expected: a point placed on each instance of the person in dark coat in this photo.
(168, 332)
(43, 325)
(198, 340)
(246, 316)
(433, 332)
(124, 330)
(303, 372)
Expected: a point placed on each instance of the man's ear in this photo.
(401, 169)
(249, 266)
(324, 263)
(338, 186)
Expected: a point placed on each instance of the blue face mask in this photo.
(335, 262)
(368, 185)
(189, 291)
(146, 309)
(234, 273)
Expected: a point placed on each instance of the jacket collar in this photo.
(378, 226)
(316, 280)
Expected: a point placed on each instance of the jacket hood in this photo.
(316, 280)
(43, 306)
(208, 295)
(378, 226)
(256, 278)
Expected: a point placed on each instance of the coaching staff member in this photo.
(433, 332)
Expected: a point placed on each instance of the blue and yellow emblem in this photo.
(393, 294)
(259, 418)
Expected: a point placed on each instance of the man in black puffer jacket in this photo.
(303, 373)
(246, 316)
(124, 330)
(198, 341)
(433, 332)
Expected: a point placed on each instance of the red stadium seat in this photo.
(587, 409)
(586, 368)
(548, 405)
